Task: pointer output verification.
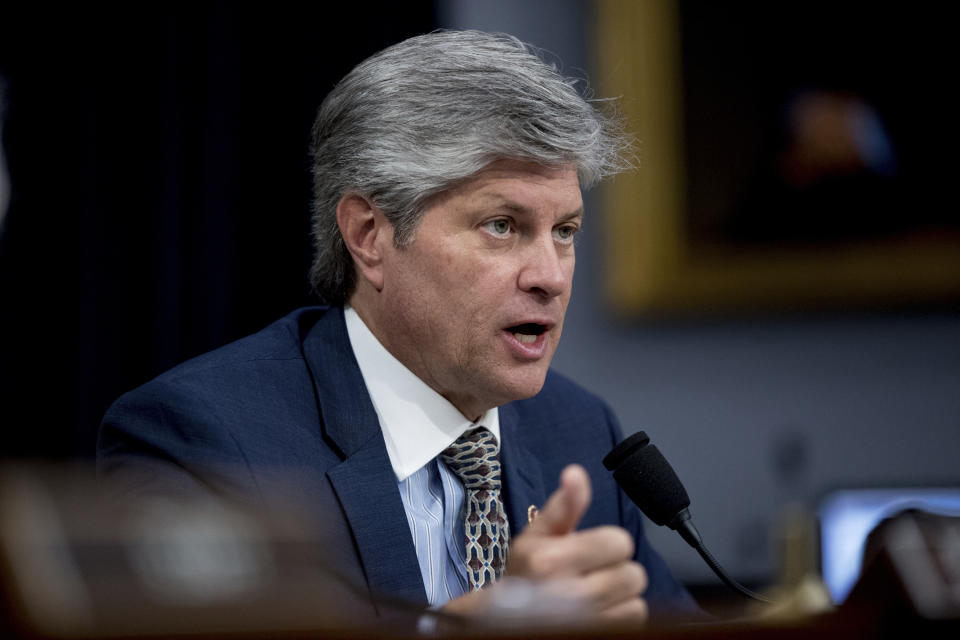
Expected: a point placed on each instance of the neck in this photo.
(367, 310)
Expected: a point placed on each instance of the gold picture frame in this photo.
(651, 265)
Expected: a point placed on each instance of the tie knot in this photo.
(473, 458)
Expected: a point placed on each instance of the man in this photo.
(447, 172)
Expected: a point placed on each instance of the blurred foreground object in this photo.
(848, 516)
(77, 562)
(911, 567)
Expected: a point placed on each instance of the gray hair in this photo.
(421, 116)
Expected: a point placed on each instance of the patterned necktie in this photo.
(473, 458)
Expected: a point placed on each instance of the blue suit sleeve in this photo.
(161, 439)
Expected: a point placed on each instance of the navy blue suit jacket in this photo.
(291, 401)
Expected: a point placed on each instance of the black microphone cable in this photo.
(649, 480)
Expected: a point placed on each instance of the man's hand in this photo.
(594, 566)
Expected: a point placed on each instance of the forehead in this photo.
(519, 186)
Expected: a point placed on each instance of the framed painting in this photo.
(790, 156)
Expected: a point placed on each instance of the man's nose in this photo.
(545, 271)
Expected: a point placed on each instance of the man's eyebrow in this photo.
(499, 202)
(573, 214)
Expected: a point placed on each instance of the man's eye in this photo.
(565, 233)
(498, 227)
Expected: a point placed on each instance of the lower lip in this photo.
(529, 350)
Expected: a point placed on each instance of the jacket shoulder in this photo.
(281, 340)
(248, 398)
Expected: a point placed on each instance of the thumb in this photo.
(566, 505)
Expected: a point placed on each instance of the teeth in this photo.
(524, 338)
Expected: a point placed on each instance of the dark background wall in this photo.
(158, 157)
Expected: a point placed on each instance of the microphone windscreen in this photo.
(647, 478)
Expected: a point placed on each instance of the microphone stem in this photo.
(689, 533)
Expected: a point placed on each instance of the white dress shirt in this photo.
(418, 423)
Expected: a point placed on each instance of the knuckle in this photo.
(628, 580)
(641, 612)
(518, 561)
(544, 563)
(536, 567)
(635, 609)
(639, 580)
(621, 542)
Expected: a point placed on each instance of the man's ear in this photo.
(361, 223)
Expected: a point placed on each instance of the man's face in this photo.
(474, 305)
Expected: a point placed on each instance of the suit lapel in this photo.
(364, 481)
(523, 479)
(367, 490)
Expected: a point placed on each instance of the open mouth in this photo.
(528, 332)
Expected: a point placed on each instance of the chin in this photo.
(526, 386)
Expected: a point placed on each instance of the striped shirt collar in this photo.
(417, 422)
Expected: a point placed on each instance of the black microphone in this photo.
(649, 480)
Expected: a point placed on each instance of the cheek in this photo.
(569, 275)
